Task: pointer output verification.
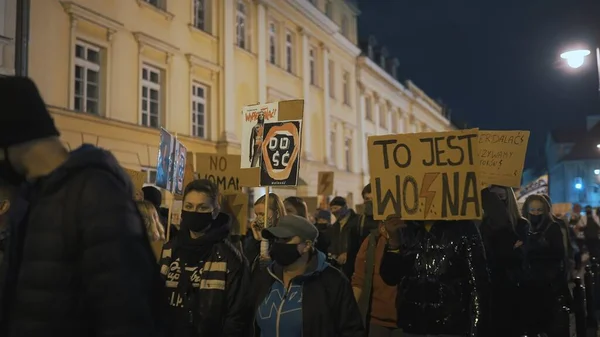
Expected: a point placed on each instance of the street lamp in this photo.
(576, 58)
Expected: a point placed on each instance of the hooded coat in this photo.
(79, 262)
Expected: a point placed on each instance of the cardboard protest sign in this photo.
(164, 169)
(562, 208)
(359, 208)
(281, 153)
(312, 204)
(222, 169)
(179, 164)
(502, 156)
(137, 177)
(188, 176)
(538, 186)
(425, 176)
(236, 206)
(325, 185)
(253, 122)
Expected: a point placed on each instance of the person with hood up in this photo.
(299, 293)
(504, 232)
(546, 289)
(206, 276)
(440, 270)
(78, 261)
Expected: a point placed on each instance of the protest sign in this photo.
(164, 169)
(179, 166)
(137, 177)
(359, 208)
(254, 119)
(281, 153)
(538, 186)
(222, 169)
(311, 204)
(236, 206)
(325, 185)
(502, 156)
(425, 176)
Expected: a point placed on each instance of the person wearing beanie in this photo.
(78, 262)
(323, 224)
(345, 238)
(299, 293)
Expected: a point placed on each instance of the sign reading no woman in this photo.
(502, 156)
(223, 170)
(425, 176)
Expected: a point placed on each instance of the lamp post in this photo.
(576, 58)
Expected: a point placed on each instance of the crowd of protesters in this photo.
(83, 254)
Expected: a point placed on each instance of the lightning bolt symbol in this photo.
(428, 180)
(325, 181)
(500, 164)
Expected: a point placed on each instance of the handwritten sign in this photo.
(281, 153)
(137, 177)
(502, 156)
(223, 170)
(425, 176)
(325, 186)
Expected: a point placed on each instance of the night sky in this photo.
(495, 63)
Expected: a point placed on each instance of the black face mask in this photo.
(339, 214)
(588, 212)
(196, 222)
(535, 219)
(8, 172)
(284, 254)
(368, 208)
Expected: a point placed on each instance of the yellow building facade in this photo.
(114, 71)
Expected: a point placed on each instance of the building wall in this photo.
(235, 54)
(563, 178)
(8, 14)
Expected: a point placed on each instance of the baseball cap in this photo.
(290, 226)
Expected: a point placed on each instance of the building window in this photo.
(150, 174)
(200, 14)
(382, 117)
(346, 86)
(241, 20)
(199, 108)
(87, 78)
(272, 43)
(332, 145)
(348, 154)
(368, 108)
(329, 8)
(289, 50)
(156, 3)
(331, 79)
(345, 26)
(151, 96)
(312, 66)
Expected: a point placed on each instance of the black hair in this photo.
(338, 201)
(366, 190)
(205, 186)
(298, 204)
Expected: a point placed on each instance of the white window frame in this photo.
(346, 87)
(195, 114)
(87, 65)
(241, 24)
(195, 7)
(151, 86)
(272, 42)
(312, 66)
(289, 52)
(348, 153)
(331, 79)
(150, 171)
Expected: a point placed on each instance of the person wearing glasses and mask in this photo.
(205, 275)
(546, 292)
(299, 293)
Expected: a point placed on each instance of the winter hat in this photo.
(324, 214)
(153, 195)
(338, 201)
(23, 115)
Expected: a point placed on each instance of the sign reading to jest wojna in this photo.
(425, 176)
(223, 170)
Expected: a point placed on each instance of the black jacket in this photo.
(85, 272)
(216, 306)
(347, 240)
(328, 305)
(442, 279)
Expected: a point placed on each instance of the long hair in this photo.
(275, 206)
(547, 216)
(299, 205)
(154, 228)
(512, 207)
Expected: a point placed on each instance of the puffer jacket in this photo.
(216, 304)
(85, 272)
(442, 279)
